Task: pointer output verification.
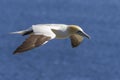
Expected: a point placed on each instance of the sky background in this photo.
(95, 59)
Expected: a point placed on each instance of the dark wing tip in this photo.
(27, 32)
(17, 51)
(75, 40)
(74, 46)
(14, 53)
(22, 48)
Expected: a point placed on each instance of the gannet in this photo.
(40, 34)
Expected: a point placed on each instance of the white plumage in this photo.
(42, 33)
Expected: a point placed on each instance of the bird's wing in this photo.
(76, 40)
(35, 40)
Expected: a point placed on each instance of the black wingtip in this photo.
(27, 32)
(15, 52)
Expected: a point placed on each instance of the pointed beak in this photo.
(85, 35)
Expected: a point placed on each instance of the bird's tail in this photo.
(18, 32)
(23, 32)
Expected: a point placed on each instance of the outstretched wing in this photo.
(31, 42)
(76, 40)
(40, 36)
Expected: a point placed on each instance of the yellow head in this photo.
(74, 29)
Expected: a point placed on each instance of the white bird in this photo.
(42, 33)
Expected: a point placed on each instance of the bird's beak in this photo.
(85, 35)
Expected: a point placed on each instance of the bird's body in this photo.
(41, 33)
(60, 30)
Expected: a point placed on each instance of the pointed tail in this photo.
(18, 32)
(23, 32)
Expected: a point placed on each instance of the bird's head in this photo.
(74, 29)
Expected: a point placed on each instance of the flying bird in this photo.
(40, 34)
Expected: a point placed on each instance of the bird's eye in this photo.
(79, 32)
